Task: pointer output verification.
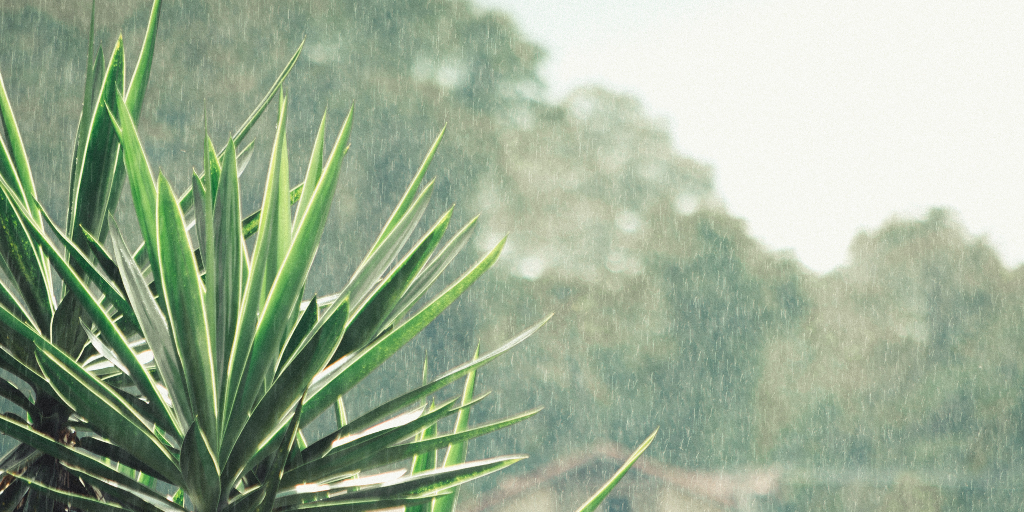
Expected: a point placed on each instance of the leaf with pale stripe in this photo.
(182, 292)
(156, 331)
(437, 479)
(318, 449)
(456, 453)
(107, 413)
(114, 338)
(595, 501)
(342, 378)
(368, 321)
(232, 261)
(269, 252)
(285, 391)
(21, 257)
(285, 293)
(410, 193)
(199, 469)
(140, 177)
(93, 174)
(348, 457)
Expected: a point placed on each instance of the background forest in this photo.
(907, 360)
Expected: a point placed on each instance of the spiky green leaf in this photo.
(368, 322)
(349, 456)
(84, 503)
(343, 377)
(456, 453)
(410, 193)
(70, 455)
(382, 257)
(277, 464)
(285, 391)
(81, 263)
(92, 186)
(313, 172)
(21, 257)
(156, 331)
(407, 450)
(114, 338)
(591, 504)
(13, 393)
(182, 292)
(140, 177)
(232, 259)
(432, 270)
(438, 479)
(14, 167)
(269, 333)
(199, 470)
(107, 413)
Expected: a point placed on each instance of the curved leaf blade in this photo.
(457, 450)
(276, 470)
(286, 390)
(17, 397)
(313, 171)
(156, 331)
(186, 310)
(349, 458)
(107, 413)
(144, 64)
(80, 502)
(232, 259)
(410, 193)
(16, 169)
(114, 337)
(140, 177)
(21, 257)
(92, 186)
(369, 320)
(595, 500)
(437, 479)
(340, 378)
(72, 456)
(81, 263)
(405, 451)
(399, 403)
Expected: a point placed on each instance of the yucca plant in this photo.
(31, 308)
(179, 376)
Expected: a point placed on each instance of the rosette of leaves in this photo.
(179, 376)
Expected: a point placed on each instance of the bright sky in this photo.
(822, 118)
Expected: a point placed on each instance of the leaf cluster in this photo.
(192, 363)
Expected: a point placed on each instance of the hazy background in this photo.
(821, 118)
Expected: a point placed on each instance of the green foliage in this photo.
(668, 312)
(199, 376)
(931, 310)
(192, 364)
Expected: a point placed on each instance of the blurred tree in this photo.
(725, 300)
(916, 342)
(662, 300)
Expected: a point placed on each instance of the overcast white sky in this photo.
(822, 118)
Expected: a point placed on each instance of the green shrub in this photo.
(180, 375)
